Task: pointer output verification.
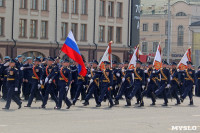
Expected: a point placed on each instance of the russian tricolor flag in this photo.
(70, 48)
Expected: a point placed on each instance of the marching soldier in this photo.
(19, 64)
(63, 84)
(49, 75)
(12, 85)
(164, 82)
(139, 82)
(174, 83)
(74, 71)
(152, 83)
(4, 76)
(106, 85)
(189, 83)
(35, 82)
(94, 83)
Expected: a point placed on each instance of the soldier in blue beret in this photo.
(12, 85)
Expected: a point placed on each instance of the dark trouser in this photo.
(104, 90)
(73, 90)
(188, 90)
(19, 87)
(150, 91)
(11, 95)
(4, 90)
(197, 89)
(92, 90)
(78, 91)
(123, 90)
(136, 90)
(49, 90)
(34, 92)
(63, 96)
(162, 91)
(26, 89)
(174, 91)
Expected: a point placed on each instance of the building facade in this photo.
(40, 27)
(154, 27)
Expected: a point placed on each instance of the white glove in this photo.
(168, 86)
(123, 80)
(148, 79)
(16, 89)
(83, 86)
(89, 75)
(123, 70)
(133, 76)
(21, 68)
(145, 71)
(67, 88)
(91, 80)
(50, 81)
(39, 86)
(110, 87)
(178, 70)
(46, 80)
(170, 77)
(153, 72)
(92, 69)
(118, 74)
(116, 86)
(194, 86)
(6, 64)
(41, 82)
(143, 86)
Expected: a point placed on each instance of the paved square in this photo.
(119, 119)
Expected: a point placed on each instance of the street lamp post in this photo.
(169, 31)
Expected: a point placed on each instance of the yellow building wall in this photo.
(196, 47)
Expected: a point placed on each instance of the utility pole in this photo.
(169, 31)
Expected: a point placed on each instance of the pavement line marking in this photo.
(3, 125)
(196, 115)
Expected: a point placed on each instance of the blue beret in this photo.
(65, 60)
(106, 62)
(29, 58)
(51, 59)
(19, 56)
(174, 63)
(164, 62)
(37, 59)
(189, 62)
(6, 57)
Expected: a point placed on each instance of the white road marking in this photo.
(3, 125)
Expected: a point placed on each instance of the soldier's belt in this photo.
(188, 79)
(80, 78)
(34, 77)
(5, 75)
(105, 81)
(198, 78)
(136, 78)
(63, 79)
(10, 79)
(164, 79)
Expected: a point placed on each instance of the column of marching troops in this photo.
(36, 79)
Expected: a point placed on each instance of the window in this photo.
(180, 35)
(110, 9)
(44, 28)
(23, 4)
(22, 28)
(181, 14)
(166, 27)
(1, 3)
(65, 6)
(75, 6)
(74, 30)
(83, 32)
(64, 30)
(156, 27)
(119, 9)
(144, 46)
(110, 33)
(33, 31)
(44, 5)
(34, 5)
(145, 27)
(102, 8)
(83, 6)
(101, 33)
(118, 34)
(155, 45)
(1, 26)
